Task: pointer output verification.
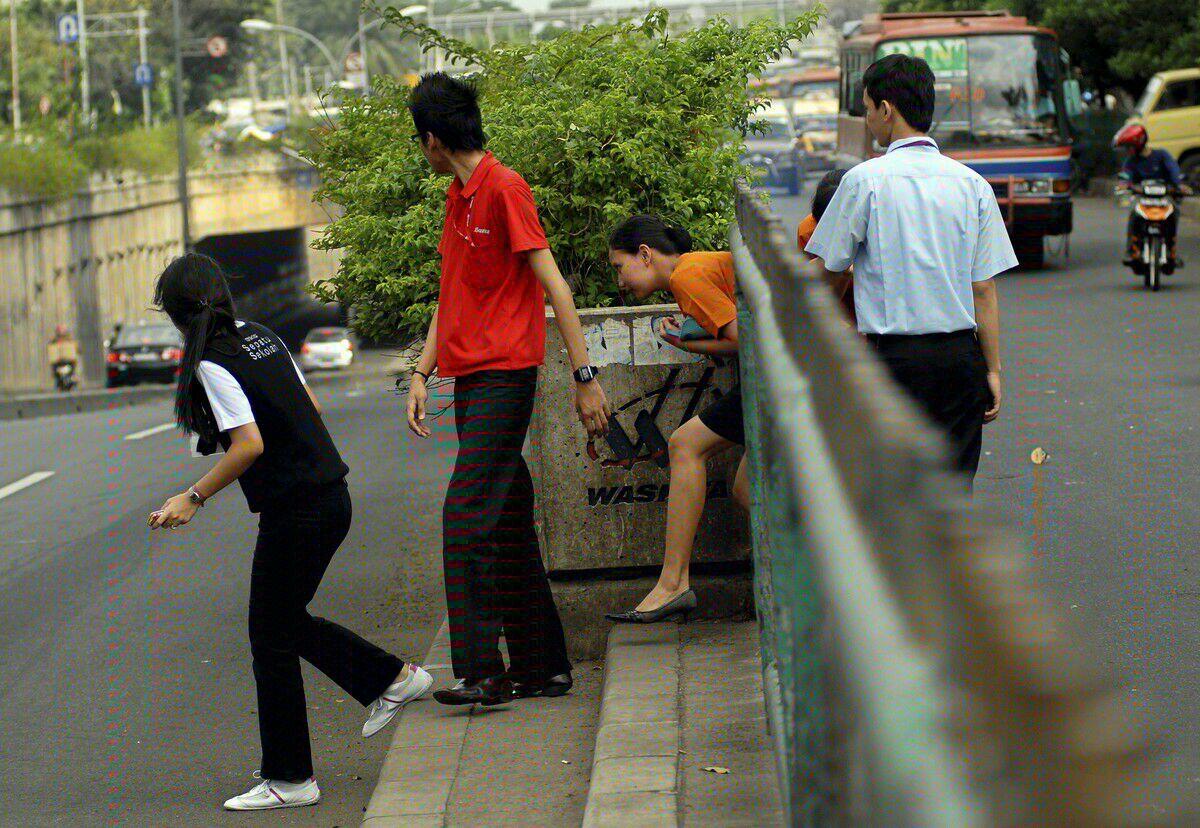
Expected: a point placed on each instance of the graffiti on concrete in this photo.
(651, 444)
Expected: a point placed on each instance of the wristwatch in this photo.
(195, 496)
(586, 374)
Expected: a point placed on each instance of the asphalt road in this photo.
(1105, 377)
(126, 693)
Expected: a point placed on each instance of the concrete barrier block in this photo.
(602, 503)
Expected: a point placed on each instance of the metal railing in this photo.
(913, 675)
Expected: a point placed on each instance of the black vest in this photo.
(298, 453)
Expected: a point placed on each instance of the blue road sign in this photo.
(66, 28)
(143, 75)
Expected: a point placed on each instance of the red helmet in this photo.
(1131, 135)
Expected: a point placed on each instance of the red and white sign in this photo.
(217, 46)
(354, 62)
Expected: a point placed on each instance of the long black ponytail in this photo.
(652, 231)
(193, 292)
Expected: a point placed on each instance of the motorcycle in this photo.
(64, 376)
(1153, 206)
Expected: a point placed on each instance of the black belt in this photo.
(950, 336)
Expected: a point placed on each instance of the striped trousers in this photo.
(495, 580)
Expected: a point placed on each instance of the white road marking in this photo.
(24, 483)
(150, 432)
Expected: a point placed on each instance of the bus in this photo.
(1004, 95)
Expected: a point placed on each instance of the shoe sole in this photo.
(402, 705)
(491, 702)
(274, 807)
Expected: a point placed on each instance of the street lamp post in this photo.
(255, 25)
(360, 37)
(16, 72)
(181, 128)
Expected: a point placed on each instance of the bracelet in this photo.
(197, 498)
(421, 374)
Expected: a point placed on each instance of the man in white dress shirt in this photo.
(925, 237)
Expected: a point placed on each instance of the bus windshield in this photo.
(992, 89)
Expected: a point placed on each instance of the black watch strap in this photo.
(586, 374)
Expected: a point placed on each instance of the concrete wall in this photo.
(600, 507)
(91, 260)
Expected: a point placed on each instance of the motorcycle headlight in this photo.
(1036, 186)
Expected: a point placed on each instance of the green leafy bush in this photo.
(41, 169)
(602, 123)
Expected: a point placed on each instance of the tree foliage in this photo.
(602, 123)
(1118, 43)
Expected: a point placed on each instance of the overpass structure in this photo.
(90, 261)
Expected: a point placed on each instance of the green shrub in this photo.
(603, 123)
(44, 169)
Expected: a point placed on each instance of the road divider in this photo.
(24, 483)
(32, 406)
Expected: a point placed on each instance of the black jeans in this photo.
(295, 545)
(494, 574)
(947, 376)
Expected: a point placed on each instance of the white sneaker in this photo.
(272, 794)
(384, 708)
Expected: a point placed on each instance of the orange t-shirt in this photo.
(804, 232)
(703, 286)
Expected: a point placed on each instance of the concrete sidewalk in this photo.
(524, 763)
(675, 700)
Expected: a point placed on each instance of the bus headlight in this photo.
(1036, 186)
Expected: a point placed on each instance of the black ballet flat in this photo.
(681, 605)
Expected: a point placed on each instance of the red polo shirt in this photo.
(491, 308)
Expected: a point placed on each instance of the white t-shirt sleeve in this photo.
(994, 251)
(229, 403)
(843, 227)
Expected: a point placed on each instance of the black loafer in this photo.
(489, 692)
(681, 605)
(552, 687)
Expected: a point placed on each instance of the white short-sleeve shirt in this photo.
(228, 401)
(918, 228)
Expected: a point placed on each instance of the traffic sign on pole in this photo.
(217, 46)
(66, 28)
(143, 75)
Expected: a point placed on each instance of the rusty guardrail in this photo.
(913, 674)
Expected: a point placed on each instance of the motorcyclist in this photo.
(1143, 164)
(63, 350)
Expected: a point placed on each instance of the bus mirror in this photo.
(1072, 98)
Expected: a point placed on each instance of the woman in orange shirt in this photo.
(650, 256)
(824, 194)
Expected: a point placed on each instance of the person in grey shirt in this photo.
(925, 238)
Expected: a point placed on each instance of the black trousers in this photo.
(495, 580)
(947, 375)
(295, 546)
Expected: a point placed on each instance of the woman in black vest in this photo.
(239, 388)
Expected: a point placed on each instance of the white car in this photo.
(327, 348)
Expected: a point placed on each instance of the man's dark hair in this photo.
(826, 187)
(907, 83)
(448, 108)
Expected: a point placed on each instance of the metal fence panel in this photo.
(913, 675)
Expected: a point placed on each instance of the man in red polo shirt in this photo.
(489, 334)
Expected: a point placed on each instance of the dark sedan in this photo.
(147, 352)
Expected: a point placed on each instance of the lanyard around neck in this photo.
(923, 142)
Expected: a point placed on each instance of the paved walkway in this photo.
(675, 701)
